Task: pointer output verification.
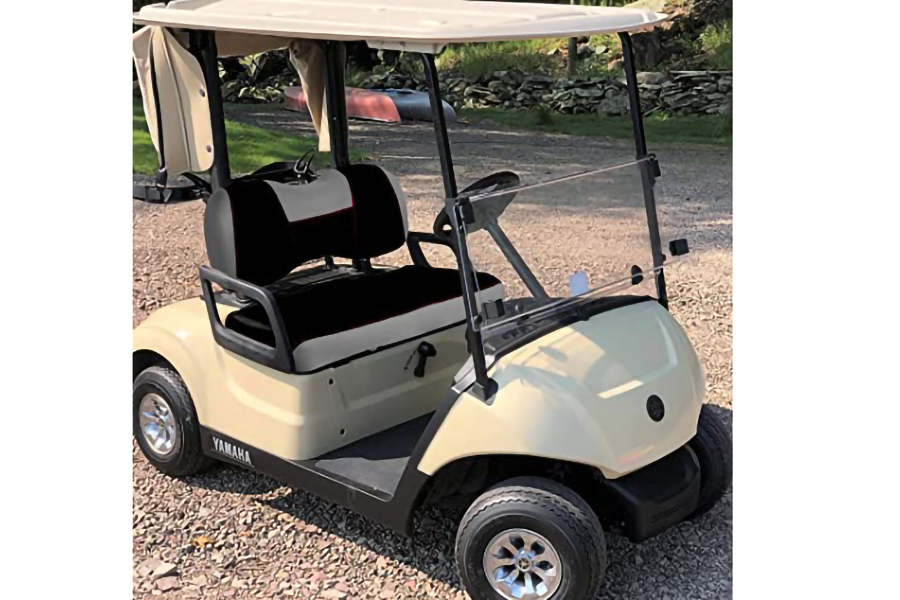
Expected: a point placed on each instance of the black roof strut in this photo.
(203, 47)
(484, 386)
(338, 129)
(649, 169)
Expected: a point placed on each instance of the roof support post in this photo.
(162, 174)
(484, 387)
(203, 46)
(336, 102)
(440, 125)
(649, 168)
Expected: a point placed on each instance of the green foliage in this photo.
(474, 60)
(355, 76)
(411, 64)
(715, 130)
(597, 65)
(537, 57)
(716, 44)
(250, 147)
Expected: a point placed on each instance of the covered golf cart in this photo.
(552, 415)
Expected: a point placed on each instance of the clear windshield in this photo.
(569, 235)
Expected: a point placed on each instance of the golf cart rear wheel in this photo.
(712, 445)
(165, 423)
(530, 538)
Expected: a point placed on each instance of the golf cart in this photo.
(553, 416)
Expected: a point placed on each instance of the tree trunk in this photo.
(573, 58)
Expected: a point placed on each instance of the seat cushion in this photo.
(334, 320)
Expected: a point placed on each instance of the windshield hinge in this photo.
(679, 247)
(493, 310)
(466, 212)
(654, 165)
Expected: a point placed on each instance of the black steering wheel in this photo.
(486, 211)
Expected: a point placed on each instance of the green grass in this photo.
(249, 147)
(715, 130)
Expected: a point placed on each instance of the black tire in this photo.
(543, 507)
(712, 445)
(187, 457)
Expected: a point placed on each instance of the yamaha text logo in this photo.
(231, 451)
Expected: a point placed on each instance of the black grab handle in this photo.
(281, 357)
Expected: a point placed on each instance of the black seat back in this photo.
(259, 231)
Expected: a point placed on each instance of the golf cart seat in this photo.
(259, 231)
(330, 322)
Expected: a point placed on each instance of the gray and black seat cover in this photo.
(260, 231)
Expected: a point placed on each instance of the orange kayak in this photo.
(387, 106)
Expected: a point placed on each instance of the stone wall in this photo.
(678, 92)
(262, 78)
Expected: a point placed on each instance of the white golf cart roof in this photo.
(414, 25)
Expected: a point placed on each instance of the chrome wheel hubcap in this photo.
(158, 424)
(522, 564)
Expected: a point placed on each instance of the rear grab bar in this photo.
(281, 357)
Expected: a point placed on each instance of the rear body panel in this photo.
(298, 417)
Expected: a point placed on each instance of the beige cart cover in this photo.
(414, 25)
(187, 132)
(309, 60)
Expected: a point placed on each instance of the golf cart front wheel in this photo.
(712, 446)
(530, 538)
(165, 423)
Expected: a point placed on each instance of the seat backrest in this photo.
(259, 231)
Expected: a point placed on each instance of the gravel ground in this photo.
(232, 533)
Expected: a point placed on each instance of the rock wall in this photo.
(262, 78)
(678, 92)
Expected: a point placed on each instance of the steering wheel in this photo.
(486, 211)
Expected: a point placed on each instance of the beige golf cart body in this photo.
(578, 394)
(590, 416)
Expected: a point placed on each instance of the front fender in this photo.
(580, 394)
